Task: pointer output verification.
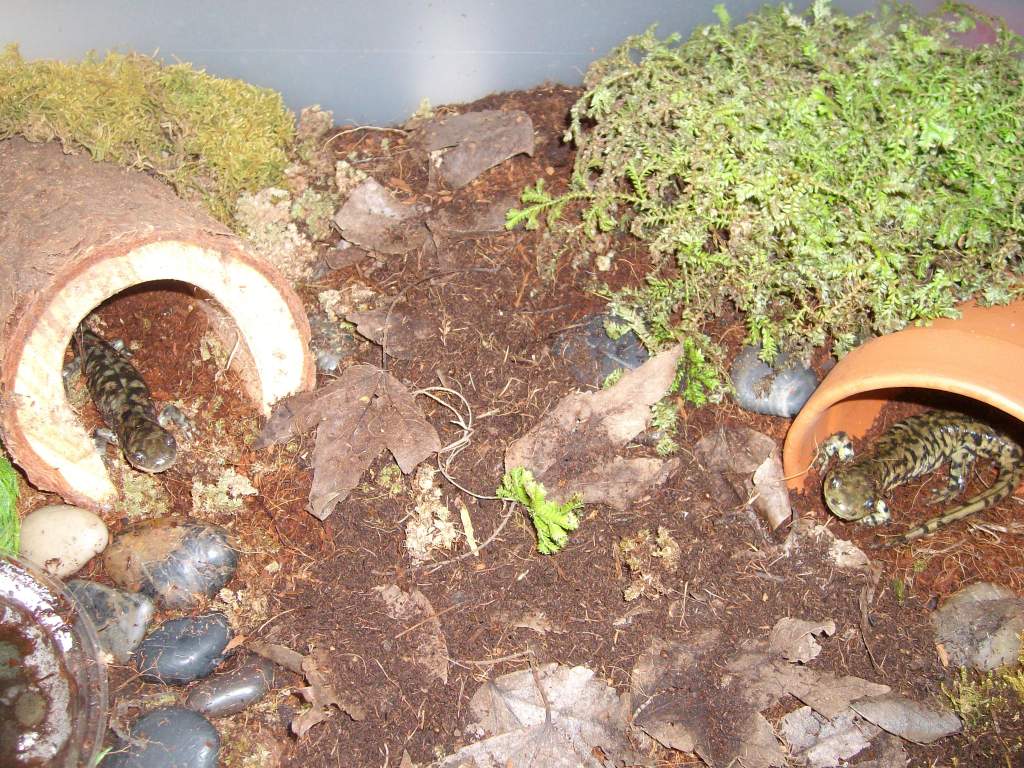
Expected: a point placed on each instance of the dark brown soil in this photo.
(495, 321)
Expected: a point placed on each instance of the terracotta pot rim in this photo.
(979, 355)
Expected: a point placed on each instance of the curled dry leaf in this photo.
(823, 743)
(747, 468)
(554, 716)
(373, 219)
(471, 143)
(572, 449)
(356, 416)
(793, 639)
(909, 719)
(422, 633)
(318, 693)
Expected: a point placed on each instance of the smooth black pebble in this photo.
(121, 618)
(781, 390)
(232, 691)
(186, 649)
(169, 737)
(178, 561)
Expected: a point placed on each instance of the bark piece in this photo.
(74, 232)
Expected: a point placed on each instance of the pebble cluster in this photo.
(169, 564)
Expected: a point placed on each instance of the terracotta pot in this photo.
(979, 355)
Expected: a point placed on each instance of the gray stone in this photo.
(186, 649)
(169, 737)
(121, 618)
(980, 626)
(178, 561)
(232, 691)
(593, 355)
(778, 390)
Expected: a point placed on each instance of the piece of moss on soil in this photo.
(832, 177)
(211, 138)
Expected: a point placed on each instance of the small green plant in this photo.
(830, 177)
(899, 590)
(553, 521)
(10, 526)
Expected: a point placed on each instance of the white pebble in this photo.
(61, 538)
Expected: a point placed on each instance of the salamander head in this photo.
(150, 447)
(850, 494)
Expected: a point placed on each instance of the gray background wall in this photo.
(373, 61)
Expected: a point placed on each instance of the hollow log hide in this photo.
(73, 233)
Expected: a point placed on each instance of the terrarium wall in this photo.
(375, 62)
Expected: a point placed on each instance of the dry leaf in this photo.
(690, 700)
(822, 743)
(422, 632)
(320, 695)
(572, 449)
(747, 468)
(373, 219)
(793, 639)
(357, 416)
(474, 142)
(908, 719)
(406, 333)
(554, 716)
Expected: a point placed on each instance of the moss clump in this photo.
(991, 707)
(209, 137)
(831, 177)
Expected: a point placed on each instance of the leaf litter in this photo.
(425, 646)
(464, 146)
(689, 698)
(318, 693)
(554, 716)
(572, 450)
(362, 412)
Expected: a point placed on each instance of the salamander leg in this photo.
(838, 446)
(102, 437)
(879, 516)
(960, 465)
(171, 414)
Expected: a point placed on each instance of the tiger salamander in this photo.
(912, 448)
(124, 402)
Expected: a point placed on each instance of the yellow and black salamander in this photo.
(914, 447)
(124, 402)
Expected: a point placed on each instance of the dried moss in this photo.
(832, 177)
(209, 137)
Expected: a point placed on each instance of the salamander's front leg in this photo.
(103, 437)
(171, 414)
(839, 446)
(880, 516)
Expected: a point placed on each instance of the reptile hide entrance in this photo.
(73, 233)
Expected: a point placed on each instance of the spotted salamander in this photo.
(124, 402)
(912, 448)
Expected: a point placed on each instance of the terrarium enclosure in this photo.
(538, 384)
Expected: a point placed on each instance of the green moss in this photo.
(10, 523)
(211, 138)
(833, 178)
(991, 707)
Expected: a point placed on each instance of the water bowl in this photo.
(53, 682)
